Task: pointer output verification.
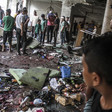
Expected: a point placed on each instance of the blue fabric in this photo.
(65, 71)
(62, 36)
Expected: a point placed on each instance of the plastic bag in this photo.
(65, 71)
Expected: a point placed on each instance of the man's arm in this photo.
(22, 24)
(3, 21)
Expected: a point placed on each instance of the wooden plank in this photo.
(79, 38)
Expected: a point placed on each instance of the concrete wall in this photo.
(3, 4)
(97, 15)
(43, 7)
(12, 6)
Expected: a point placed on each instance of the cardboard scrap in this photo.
(63, 100)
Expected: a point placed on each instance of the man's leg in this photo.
(48, 30)
(4, 40)
(44, 36)
(9, 34)
(55, 37)
(32, 31)
(51, 29)
(18, 35)
(41, 37)
(24, 42)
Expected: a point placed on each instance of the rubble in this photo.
(48, 80)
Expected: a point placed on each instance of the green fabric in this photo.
(8, 23)
(37, 28)
(63, 24)
(17, 74)
(43, 24)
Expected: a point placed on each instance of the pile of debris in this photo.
(51, 80)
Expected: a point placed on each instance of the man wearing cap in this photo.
(1, 16)
(8, 23)
(21, 29)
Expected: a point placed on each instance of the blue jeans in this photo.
(38, 37)
(1, 22)
(62, 36)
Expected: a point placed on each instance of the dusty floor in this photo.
(11, 60)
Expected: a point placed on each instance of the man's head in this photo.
(35, 12)
(67, 18)
(8, 12)
(56, 14)
(97, 61)
(24, 11)
(39, 21)
(43, 16)
(63, 18)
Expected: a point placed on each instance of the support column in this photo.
(107, 17)
(25, 3)
(66, 8)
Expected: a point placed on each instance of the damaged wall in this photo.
(43, 7)
(96, 14)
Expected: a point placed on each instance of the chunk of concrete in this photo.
(54, 73)
(33, 44)
(17, 74)
(48, 46)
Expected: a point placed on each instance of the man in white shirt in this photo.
(34, 21)
(21, 29)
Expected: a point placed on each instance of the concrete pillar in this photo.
(65, 11)
(66, 8)
(107, 17)
(25, 3)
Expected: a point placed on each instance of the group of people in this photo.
(91, 27)
(40, 27)
(97, 56)
(50, 26)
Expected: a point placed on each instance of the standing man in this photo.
(62, 30)
(56, 28)
(21, 29)
(34, 22)
(8, 23)
(67, 29)
(43, 28)
(50, 26)
(1, 16)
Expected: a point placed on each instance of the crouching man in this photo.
(97, 73)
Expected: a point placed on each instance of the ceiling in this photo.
(96, 2)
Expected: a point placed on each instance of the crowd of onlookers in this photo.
(44, 28)
(41, 28)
